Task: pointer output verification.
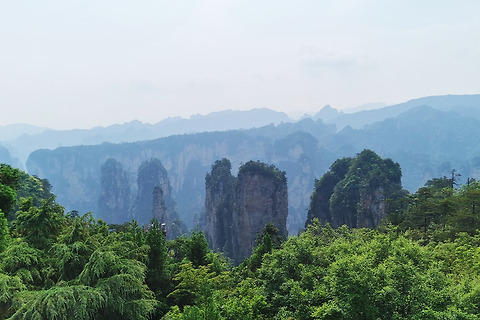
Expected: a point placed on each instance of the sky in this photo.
(84, 63)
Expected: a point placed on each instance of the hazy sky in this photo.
(83, 63)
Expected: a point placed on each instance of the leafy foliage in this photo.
(350, 190)
(438, 211)
(261, 168)
(9, 182)
(39, 226)
(324, 187)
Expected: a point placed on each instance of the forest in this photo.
(421, 262)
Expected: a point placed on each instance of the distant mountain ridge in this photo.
(12, 131)
(21, 140)
(470, 104)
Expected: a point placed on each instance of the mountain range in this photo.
(428, 137)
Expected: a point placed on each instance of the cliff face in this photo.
(324, 189)
(367, 212)
(151, 176)
(373, 205)
(219, 204)
(260, 198)
(114, 201)
(159, 210)
(237, 210)
(154, 199)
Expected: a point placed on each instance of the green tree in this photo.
(8, 198)
(197, 249)
(467, 201)
(40, 226)
(268, 240)
(157, 276)
(9, 287)
(4, 232)
(34, 187)
(75, 244)
(9, 176)
(9, 182)
(25, 262)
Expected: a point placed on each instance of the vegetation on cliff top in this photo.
(339, 194)
(261, 168)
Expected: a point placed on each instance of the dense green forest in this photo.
(422, 262)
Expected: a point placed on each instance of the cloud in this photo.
(202, 83)
(313, 59)
(142, 86)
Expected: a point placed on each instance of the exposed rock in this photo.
(159, 210)
(373, 205)
(219, 203)
(151, 174)
(114, 201)
(154, 198)
(298, 154)
(260, 197)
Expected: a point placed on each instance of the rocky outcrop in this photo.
(159, 210)
(373, 205)
(219, 204)
(154, 199)
(114, 201)
(151, 175)
(261, 196)
(238, 209)
(354, 191)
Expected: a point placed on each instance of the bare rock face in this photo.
(219, 203)
(373, 205)
(154, 198)
(151, 175)
(238, 210)
(159, 205)
(261, 197)
(114, 201)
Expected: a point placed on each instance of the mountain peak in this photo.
(327, 113)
